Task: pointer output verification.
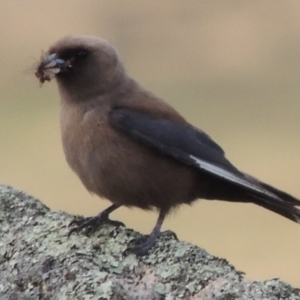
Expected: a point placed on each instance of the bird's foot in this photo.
(91, 223)
(140, 246)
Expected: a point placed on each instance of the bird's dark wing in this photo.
(186, 144)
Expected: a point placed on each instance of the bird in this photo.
(134, 149)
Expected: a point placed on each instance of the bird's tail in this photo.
(282, 204)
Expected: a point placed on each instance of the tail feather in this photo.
(282, 203)
(286, 210)
(282, 195)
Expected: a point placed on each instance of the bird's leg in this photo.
(143, 244)
(94, 222)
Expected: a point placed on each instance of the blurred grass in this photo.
(231, 68)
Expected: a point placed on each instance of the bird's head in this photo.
(82, 65)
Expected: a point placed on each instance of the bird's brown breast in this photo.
(112, 165)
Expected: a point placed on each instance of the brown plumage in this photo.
(131, 147)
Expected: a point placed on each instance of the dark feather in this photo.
(195, 148)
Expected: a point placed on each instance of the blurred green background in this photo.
(231, 67)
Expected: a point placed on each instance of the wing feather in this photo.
(186, 144)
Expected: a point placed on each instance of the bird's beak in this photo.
(50, 66)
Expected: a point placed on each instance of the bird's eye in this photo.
(82, 53)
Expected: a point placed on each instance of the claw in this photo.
(92, 223)
(143, 244)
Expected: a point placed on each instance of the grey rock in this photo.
(39, 261)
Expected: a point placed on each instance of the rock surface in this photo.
(38, 261)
